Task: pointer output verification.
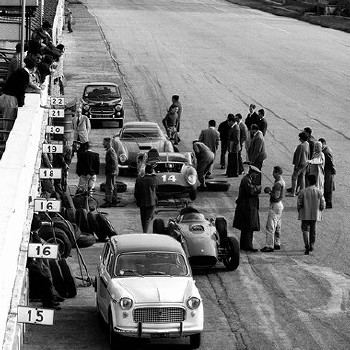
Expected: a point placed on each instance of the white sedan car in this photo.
(144, 288)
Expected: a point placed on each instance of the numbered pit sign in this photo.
(47, 173)
(35, 315)
(44, 205)
(51, 129)
(57, 101)
(56, 113)
(47, 251)
(51, 148)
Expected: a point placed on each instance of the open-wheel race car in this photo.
(205, 241)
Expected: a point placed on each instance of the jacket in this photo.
(301, 155)
(256, 151)
(211, 138)
(82, 127)
(16, 85)
(88, 163)
(145, 191)
(111, 162)
(234, 145)
(243, 133)
(310, 204)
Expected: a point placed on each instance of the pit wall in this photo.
(19, 176)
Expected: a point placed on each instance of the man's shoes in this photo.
(242, 173)
(311, 248)
(58, 298)
(267, 250)
(253, 250)
(232, 176)
(210, 176)
(329, 206)
(290, 195)
(277, 247)
(289, 189)
(224, 174)
(201, 188)
(222, 167)
(115, 203)
(307, 250)
(106, 205)
(52, 306)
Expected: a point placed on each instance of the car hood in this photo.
(157, 289)
(138, 145)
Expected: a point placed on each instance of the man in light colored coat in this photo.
(205, 158)
(310, 205)
(81, 126)
(243, 136)
(211, 138)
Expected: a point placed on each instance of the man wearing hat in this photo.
(247, 208)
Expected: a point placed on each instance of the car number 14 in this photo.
(167, 178)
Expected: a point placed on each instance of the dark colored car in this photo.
(102, 102)
(205, 241)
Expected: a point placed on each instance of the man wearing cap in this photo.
(246, 216)
(205, 158)
(146, 197)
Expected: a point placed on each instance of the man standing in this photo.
(233, 147)
(111, 199)
(274, 218)
(262, 123)
(256, 151)
(247, 209)
(88, 167)
(252, 117)
(170, 123)
(300, 157)
(176, 102)
(146, 197)
(81, 125)
(310, 139)
(243, 135)
(205, 158)
(223, 129)
(329, 172)
(211, 138)
(310, 206)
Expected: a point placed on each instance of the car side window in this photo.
(105, 254)
(110, 265)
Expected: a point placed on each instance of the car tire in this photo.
(65, 226)
(106, 229)
(121, 186)
(77, 231)
(69, 279)
(67, 201)
(221, 228)
(70, 215)
(217, 185)
(60, 238)
(82, 219)
(231, 260)
(195, 340)
(159, 227)
(193, 195)
(86, 240)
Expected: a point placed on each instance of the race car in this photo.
(175, 173)
(205, 241)
(139, 137)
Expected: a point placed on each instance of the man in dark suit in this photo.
(234, 147)
(176, 102)
(146, 197)
(223, 129)
(262, 123)
(329, 172)
(88, 167)
(211, 138)
(13, 92)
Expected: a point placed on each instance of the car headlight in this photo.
(123, 158)
(193, 303)
(118, 107)
(192, 179)
(86, 107)
(125, 303)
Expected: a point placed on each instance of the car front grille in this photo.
(101, 112)
(168, 188)
(159, 315)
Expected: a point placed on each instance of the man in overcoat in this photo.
(246, 216)
(310, 205)
(205, 158)
(256, 151)
(329, 172)
(234, 147)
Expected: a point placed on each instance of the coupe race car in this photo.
(145, 289)
(140, 137)
(175, 173)
(205, 241)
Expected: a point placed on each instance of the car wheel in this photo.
(217, 185)
(221, 228)
(59, 237)
(193, 195)
(159, 226)
(231, 260)
(86, 240)
(195, 341)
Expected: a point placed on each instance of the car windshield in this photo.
(138, 134)
(150, 264)
(102, 92)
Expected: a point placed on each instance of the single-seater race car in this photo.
(175, 173)
(205, 241)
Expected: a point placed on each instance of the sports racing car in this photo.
(205, 241)
(140, 137)
(175, 173)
